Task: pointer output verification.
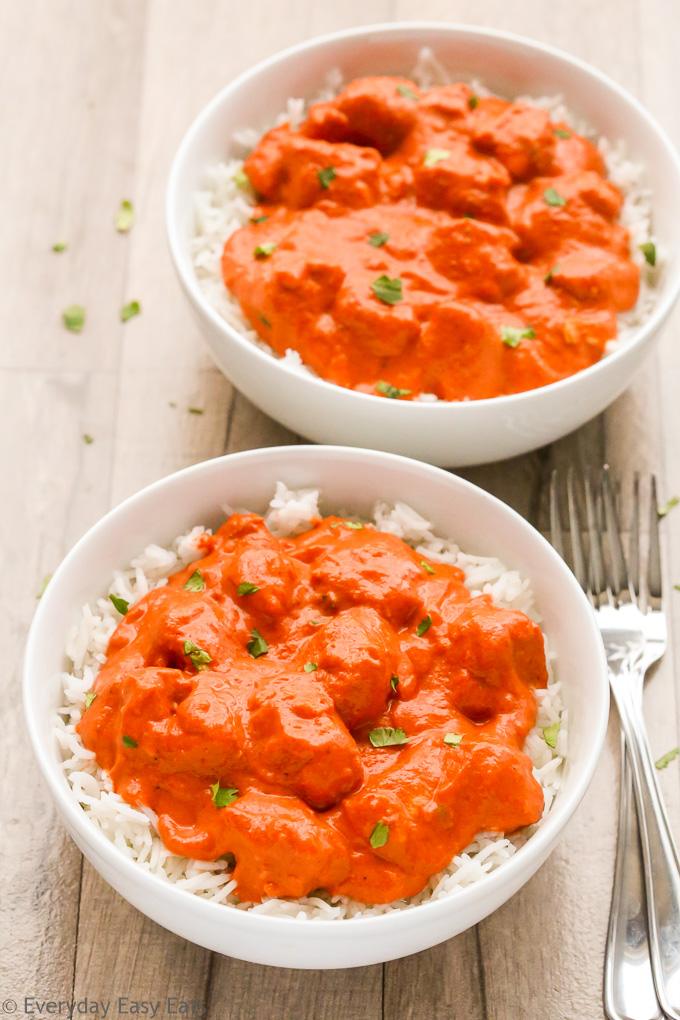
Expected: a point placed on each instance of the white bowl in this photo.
(353, 480)
(450, 434)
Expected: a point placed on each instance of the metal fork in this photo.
(633, 628)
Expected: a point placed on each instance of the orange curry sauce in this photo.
(243, 720)
(412, 241)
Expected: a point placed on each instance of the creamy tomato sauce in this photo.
(333, 710)
(412, 242)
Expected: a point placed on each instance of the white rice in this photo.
(133, 830)
(221, 206)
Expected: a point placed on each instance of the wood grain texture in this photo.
(106, 92)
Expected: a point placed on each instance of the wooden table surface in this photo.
(96, 95)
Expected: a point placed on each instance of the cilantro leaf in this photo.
(198, 656)
(389, 291)
(246, 588)
(380, 835)
(120, 604)
(512, 335)
(257, 645)
(550, 734)
(452, 739)
(386, 737)
(195, 582)
(553, 197)
(223, 796)
(325, 176)
(391, 391)
(378, 238)
(433, 156)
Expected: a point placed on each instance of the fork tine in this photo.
(555, 520)
(575, 532)
(634, 552)
(597, 582)
(621, 587)
(654, 560)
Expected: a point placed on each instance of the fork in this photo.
(633, 628)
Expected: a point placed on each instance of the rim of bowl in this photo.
(540, 841)
(188, 279)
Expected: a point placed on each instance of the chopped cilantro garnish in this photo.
(648, 249)
(309, 667)
(512, 335)
(89, 698)
(378, 238)
(325, 176)
(550, 734)
(120, 604)
(553, 197)
(424, 625)
(391, 391)
(257, 645)
(433, 156)
(198, 656)
(386, 737)
(388, 290)
(223, 796)
(407, 93)
(452, 739)
(128, 741)
(195, 582)
(427, 567)
(263, 251)
(247, 588)
(380, 835)
(667, 507)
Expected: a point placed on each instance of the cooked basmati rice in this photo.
(133, 829)
(221, 207)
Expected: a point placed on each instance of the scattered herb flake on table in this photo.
(385, 736)
(59, 246)
(129, 311)
(667, 507)
(88, 439)
(667, 758)
(195, 582)
(74, 318)
(125, 216)
(196, 410)
(43, 585)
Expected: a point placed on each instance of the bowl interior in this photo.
(350, 480)
(509, 65)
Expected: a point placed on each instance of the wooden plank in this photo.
(65, 104)
(55, 488)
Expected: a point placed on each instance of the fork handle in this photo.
(662, 866)
(628, 983)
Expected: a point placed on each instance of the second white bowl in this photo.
(449, 434)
